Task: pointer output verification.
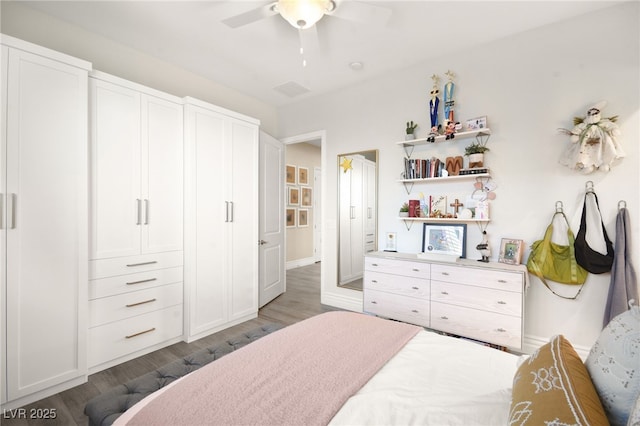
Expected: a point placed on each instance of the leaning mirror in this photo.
(357, 213)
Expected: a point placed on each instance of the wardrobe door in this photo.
(162, 175)
(116, 200)
(243, 248)
(46, 232)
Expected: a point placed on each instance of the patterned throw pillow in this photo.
(614, 365)
(554, 387)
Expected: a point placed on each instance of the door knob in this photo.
(262, 242)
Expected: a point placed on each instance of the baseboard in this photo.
(292, 264)
(343, 302)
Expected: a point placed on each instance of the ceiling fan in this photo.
(304, 14)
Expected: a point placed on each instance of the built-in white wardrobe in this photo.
(221, 218)
(136, 220)
(357, 214)
(43, 222)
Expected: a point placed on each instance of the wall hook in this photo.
(589, 186)
(622, 204)
(559, 207)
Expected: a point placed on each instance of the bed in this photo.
(345, 368)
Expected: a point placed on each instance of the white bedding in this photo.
(433, 380)
(436, 380)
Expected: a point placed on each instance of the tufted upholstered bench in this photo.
(105, 408)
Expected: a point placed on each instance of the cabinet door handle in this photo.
(131, 305)
(1, 211)
(146, 211)
(142, 263)
(352, 212)
(141, 281)
(138, 211)
(231, 203)
(501, 302)
(139, 333)
(11, 209)
(369, 212)
(226, 211)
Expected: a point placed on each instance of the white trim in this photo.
(292, 264)
(343, 302)
(43, 51)
(531, 343)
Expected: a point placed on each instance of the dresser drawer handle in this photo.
(501, 302)
(444, 317)
(415, 288)
(142, 263)
(444, 292)
(141, 281)
(373, 302)
(416, 270)
(502, 281)
(501, 330)
(415, 311)
(445, 273)
(140, 303)
(374, 264)
(138, 334)
(374, 281)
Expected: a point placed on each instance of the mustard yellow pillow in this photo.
(554, 387)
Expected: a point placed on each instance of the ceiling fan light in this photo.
(303, 14)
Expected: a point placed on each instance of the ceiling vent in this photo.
(291, 89)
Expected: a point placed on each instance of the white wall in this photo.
(31, 25)
(528, 86)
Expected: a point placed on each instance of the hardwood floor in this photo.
(300, 301)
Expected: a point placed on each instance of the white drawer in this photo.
(406, 286)
(486, 299)
(398, 267)
(133, 282)
(402, 308)
(120, 338)
(500, 280)
(488, 327)
(103, 268)
(115, 308)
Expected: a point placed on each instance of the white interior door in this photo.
(272, 229)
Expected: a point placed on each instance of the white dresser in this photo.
(482, 301)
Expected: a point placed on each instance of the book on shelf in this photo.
(421, 168)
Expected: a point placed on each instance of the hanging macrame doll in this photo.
(594, 142)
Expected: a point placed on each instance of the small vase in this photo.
(476, 160)
(403, 214)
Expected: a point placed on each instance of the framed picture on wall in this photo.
(303, 218)
(291, 174)
(306, 200)
(291, 218)
(294, 195)
(303, 176)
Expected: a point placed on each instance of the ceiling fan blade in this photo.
(251, 16)
(362, 12)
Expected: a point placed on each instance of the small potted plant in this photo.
(475, 152)
(404, 210)
(411, 127)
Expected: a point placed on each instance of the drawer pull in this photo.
(502, 281)
(373, 302)
(444, 317)
(142, 263)
(444, 292)
(501, 302)
(415, 311)
(374, 264)
(501, 330)
(140, 303)
(416, 270)
(445, 273)
(374, 281)
(141, 281)
(415, 288)
(138, 334)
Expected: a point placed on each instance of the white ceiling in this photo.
(257, 58)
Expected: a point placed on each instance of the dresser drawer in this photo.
(133, 282)
(406, 286)
(103, 268)
(486, 299)
(500, 280)
(115, 308)
(398, 267)
(488, 327)
(116, 339)
(402, 308)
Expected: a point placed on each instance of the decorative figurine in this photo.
(434, 102)
(484, 248)
(594, 142)
(448, 98)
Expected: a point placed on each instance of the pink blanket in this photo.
(300, 375)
